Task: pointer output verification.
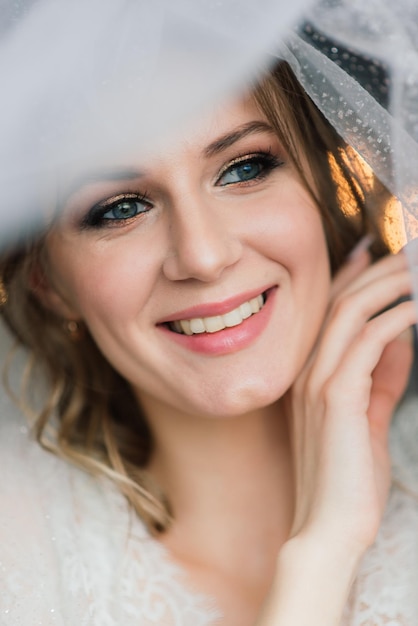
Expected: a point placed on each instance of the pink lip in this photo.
(214, 308)
(228, 340)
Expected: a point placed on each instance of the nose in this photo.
(203, 244)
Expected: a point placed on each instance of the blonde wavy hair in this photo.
(98, 423)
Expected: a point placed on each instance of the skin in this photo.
(288, 433)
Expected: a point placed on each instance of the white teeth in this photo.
(256, 304)
(185, 327)
(197, 325)
(245, 310)
(233, 318)
(213, 324)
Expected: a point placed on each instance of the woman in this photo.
(217, 343)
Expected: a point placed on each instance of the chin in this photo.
(242, 399)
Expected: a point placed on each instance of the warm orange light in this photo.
(394, 226)
(392, 222)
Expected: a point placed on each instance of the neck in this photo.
(228, 481)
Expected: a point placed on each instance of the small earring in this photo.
(73, 329)
(4, 296)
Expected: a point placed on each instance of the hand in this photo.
(342, 403)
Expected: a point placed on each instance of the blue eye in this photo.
(116, 210)
(239, 173)
(247, 169)
(124, 210)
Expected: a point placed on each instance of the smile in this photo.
(214, 324)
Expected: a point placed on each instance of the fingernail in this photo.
(361, 247)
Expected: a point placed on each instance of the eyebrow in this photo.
(99, 177)
(250, 128)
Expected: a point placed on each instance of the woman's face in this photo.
(219, 230)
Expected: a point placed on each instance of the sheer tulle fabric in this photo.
(87, 85)
(70, 111)
(386, 32)
(70, 108)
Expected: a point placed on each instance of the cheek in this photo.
(292, 235)
(102, 282)
(289, 230)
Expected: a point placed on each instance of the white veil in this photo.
(384, 34)
(83, 82)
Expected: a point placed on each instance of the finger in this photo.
(348, 317)
(384, 267)
(350, 386)
(390, 378)
(359, 272)
(356, 263)
(349, 395)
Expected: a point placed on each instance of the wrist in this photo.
(312, 583)
(321, 555)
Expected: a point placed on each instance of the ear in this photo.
(49, 295)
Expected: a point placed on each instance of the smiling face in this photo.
(203, 274)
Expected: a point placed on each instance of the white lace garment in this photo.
(71, 553)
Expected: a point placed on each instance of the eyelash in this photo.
(95, 216)
(95, 219)
(267, 160)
